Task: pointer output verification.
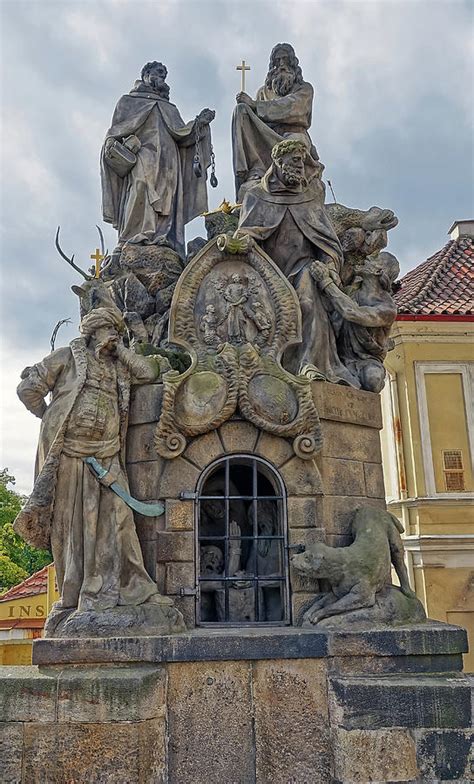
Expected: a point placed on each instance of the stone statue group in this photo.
(154, 181)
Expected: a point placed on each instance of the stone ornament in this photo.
(359, 576)
(235, 313)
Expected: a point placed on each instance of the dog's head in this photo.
(309, 562)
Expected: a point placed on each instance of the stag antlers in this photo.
(70, 260)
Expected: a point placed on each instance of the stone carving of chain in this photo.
(197, 165)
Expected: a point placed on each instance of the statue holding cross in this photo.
(282, 109)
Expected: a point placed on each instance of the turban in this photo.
(101, 317)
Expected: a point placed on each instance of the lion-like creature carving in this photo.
(360, 575)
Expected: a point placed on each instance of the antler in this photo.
(69, 260)
(104, 252)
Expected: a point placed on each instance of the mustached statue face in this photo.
(291, 168)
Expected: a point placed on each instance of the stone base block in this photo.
(242, 706)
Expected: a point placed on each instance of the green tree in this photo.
(17, 559)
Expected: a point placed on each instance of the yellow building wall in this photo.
(440, 531)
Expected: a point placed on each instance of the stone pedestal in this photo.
(322, 493)
(241, 706)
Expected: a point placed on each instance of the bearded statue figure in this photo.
(90, 529)
(282, 109)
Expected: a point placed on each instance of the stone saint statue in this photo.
(282, 109)
(365, 317)
(285, 214)
(91, 530)
(152, 184)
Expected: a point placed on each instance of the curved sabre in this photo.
(149, 510)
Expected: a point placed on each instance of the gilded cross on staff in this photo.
(243, 67)
(97, 257)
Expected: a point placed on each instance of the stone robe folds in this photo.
(255, 132)
(292, 226)
(97, 554)
(161, 194)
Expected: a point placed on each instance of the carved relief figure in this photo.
(235, 295)
(97, 555)
(282, 109)
(285, 214)
(360, 574)
(149, 186)
(365, 317)
(209, 325)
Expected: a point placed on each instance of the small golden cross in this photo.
(242, 67)
(97, 257)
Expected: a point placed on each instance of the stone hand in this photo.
(206, 116)
(320, 273)
(244, 98)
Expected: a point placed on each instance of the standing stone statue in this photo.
(282, 109)
(153, 165)
(99, 565)
(285, 214)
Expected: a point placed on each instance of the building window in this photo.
(242, 544)
(453, 470)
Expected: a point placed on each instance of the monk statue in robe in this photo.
(152, 186)
(285, 214)
(282, 110)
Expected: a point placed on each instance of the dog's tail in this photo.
(398, 525)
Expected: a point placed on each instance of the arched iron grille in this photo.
(242, 552)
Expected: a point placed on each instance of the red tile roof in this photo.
(441, 285)
(33, 585)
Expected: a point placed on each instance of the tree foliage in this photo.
(17, 559)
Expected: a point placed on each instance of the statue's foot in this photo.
(158, 598)
(312, 372)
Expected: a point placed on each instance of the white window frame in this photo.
(466, 371)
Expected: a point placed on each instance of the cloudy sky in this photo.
(392, 121)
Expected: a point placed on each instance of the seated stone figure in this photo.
(360, 575)
(285, 214)
(366, 317)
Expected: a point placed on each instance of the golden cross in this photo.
(97, 257)
(242, 67)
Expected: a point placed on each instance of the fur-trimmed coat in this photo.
(63, 373)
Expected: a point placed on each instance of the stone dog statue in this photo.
(360, 575)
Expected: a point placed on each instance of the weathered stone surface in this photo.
(140, 443)
(401, 701)
(27, 694)
(305, 536)
(238, 436)
(179, 575)
(178, 476)
(337, 511)
(305, 512)
(123, 620)
(145, 403)
(187, 607)
(291, 722)
(204, 449)
(179, 515)
(374, 483)
(175, 546)
(353, 442)
(345, 404)
(299, 604)
(362, 756)
(445, 755)
(11, 749)
(144, 479)
(110, 694)
(274, 449)
(302, 477)
(428, 638)
(95, 753)
(210, 716)
(343, 477)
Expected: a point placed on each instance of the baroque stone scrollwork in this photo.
(236, 313)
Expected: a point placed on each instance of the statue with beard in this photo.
(285, 214)
(150, 189)
(282, 109)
